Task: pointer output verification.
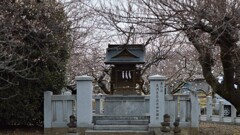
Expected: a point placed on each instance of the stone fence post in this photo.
(98, 105)
(99, 99)
(233, 113)
(157, 100)
(194, 109)
(84, 101)
(209, 108)
(48, 109)
(221, 110)
(195, 114)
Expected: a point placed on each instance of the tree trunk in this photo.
(226, 88)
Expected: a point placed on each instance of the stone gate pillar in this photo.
(84, 101)
(157, 100)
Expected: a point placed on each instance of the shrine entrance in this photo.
(125, 72)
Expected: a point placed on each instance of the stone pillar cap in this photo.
(83, 78)
(157, 78)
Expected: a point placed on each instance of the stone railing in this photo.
(176, 106)
(58, 108)
(220, 112)
(133, 105)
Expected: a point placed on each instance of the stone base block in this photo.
(126, 105)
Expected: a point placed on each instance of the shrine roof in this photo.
(125, 54)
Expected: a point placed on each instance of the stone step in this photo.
(113, 132)
(122, 122)
(121, 127)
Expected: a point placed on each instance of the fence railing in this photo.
(219, 112)
(185, 107)
(58, 108)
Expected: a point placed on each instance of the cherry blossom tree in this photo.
(210, 27)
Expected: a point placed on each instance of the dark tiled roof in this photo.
(123, 54)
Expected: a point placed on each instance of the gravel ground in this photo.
(205, 129)
(22, 131)
(218, 129)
